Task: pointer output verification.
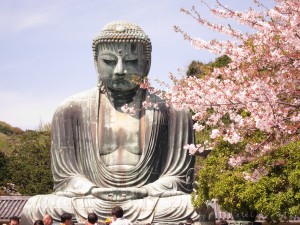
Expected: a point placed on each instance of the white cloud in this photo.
(32, 20)
(20, 16)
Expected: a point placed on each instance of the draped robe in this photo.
(77, 166)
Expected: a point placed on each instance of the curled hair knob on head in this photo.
(122, 32)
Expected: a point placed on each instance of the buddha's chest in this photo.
(119, 130)
(121, 137)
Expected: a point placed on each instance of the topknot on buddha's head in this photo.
(122, 32)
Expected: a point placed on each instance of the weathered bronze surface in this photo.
(102, 157)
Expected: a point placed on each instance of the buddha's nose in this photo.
(119, 69)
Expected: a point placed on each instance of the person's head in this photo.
(189, 220)
(14, 220)
(117, 212)
(92, 218)
(47, 219)
(223, 222)
(38, 222)
(66, 218)
(122, 53)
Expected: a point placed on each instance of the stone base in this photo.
(154, 210)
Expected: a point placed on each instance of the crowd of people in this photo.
(116, 218)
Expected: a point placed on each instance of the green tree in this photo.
(200, 69)
(274, 191)
(29, 163)
(276, 195)
(7, 129)
(7, 135)
(3, 168)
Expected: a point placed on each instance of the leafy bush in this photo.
(25, 159)
(30, 164)
(7, 129)
(200, 69)
(275, 195)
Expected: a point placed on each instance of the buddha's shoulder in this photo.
(79, 100)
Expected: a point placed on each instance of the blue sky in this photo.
(46, 54)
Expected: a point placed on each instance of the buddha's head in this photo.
(122, 54)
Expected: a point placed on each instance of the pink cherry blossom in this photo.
(256, 175)
(259, 89)
(198, 127)
(127, 109)
(215, 133)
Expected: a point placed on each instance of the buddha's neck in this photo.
(132, 97)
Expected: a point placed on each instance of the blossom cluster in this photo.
(258, 90)
(131, 110)
(256, 175)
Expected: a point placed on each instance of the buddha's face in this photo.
(120, 64)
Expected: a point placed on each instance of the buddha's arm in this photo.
(76, 186)
(67, 151)
(164, 187)
(176, 160)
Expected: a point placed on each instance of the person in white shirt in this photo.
(117, 213)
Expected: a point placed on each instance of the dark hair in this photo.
(92, 218)
(15, 218)
(117, 211)
(65, 216)
(38, 222)
(223, 222)
(189, 220)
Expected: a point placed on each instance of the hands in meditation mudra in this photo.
(102, 157)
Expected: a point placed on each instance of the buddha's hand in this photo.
(74, 193)
(119, 194)
(171, 193)
(76, 187)
(69, 194)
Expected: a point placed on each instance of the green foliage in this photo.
(200, 69)
(3, 142)
(25, 159)
(29, 163)
(3, 168)
(44, 127)
(221, 61)
(7, 129)
(7, 133)
(276, 195)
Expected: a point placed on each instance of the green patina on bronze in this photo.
(102, 157)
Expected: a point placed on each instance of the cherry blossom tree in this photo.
(247, 112)
(258, 90)
(253, 105)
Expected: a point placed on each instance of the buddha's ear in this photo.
(148, 65)
(96, 65)
(97, 71)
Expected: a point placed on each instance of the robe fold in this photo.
(77, 166)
